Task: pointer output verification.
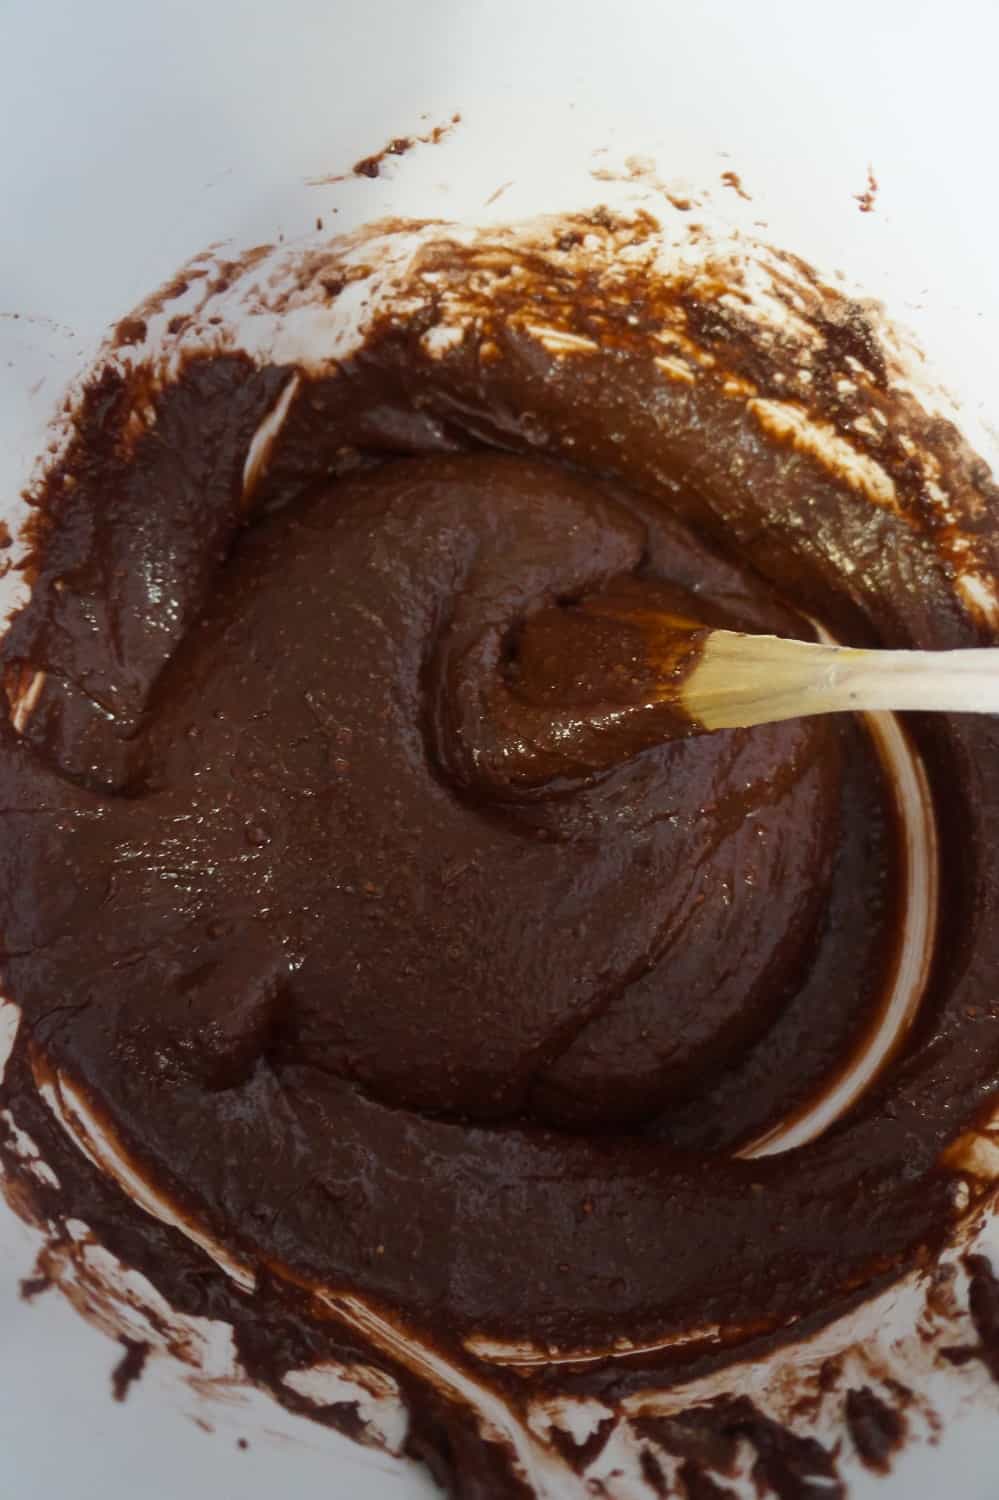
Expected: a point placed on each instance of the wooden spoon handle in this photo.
(740, 680)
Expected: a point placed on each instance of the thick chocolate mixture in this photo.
(388, 943)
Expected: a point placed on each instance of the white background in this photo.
(132, 135)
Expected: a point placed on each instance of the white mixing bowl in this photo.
(135, 135)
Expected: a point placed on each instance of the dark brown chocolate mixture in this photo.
(403, 979)
(129, 1368)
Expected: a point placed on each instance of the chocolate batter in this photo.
(403, 954)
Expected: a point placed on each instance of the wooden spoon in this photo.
(724, 679)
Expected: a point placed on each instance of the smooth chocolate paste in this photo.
(389, 939)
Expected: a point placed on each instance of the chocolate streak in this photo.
(398, 983)
(129, 1368)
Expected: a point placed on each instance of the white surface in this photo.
(134, 134)
(62, 1436)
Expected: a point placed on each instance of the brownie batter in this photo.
(405, 953)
